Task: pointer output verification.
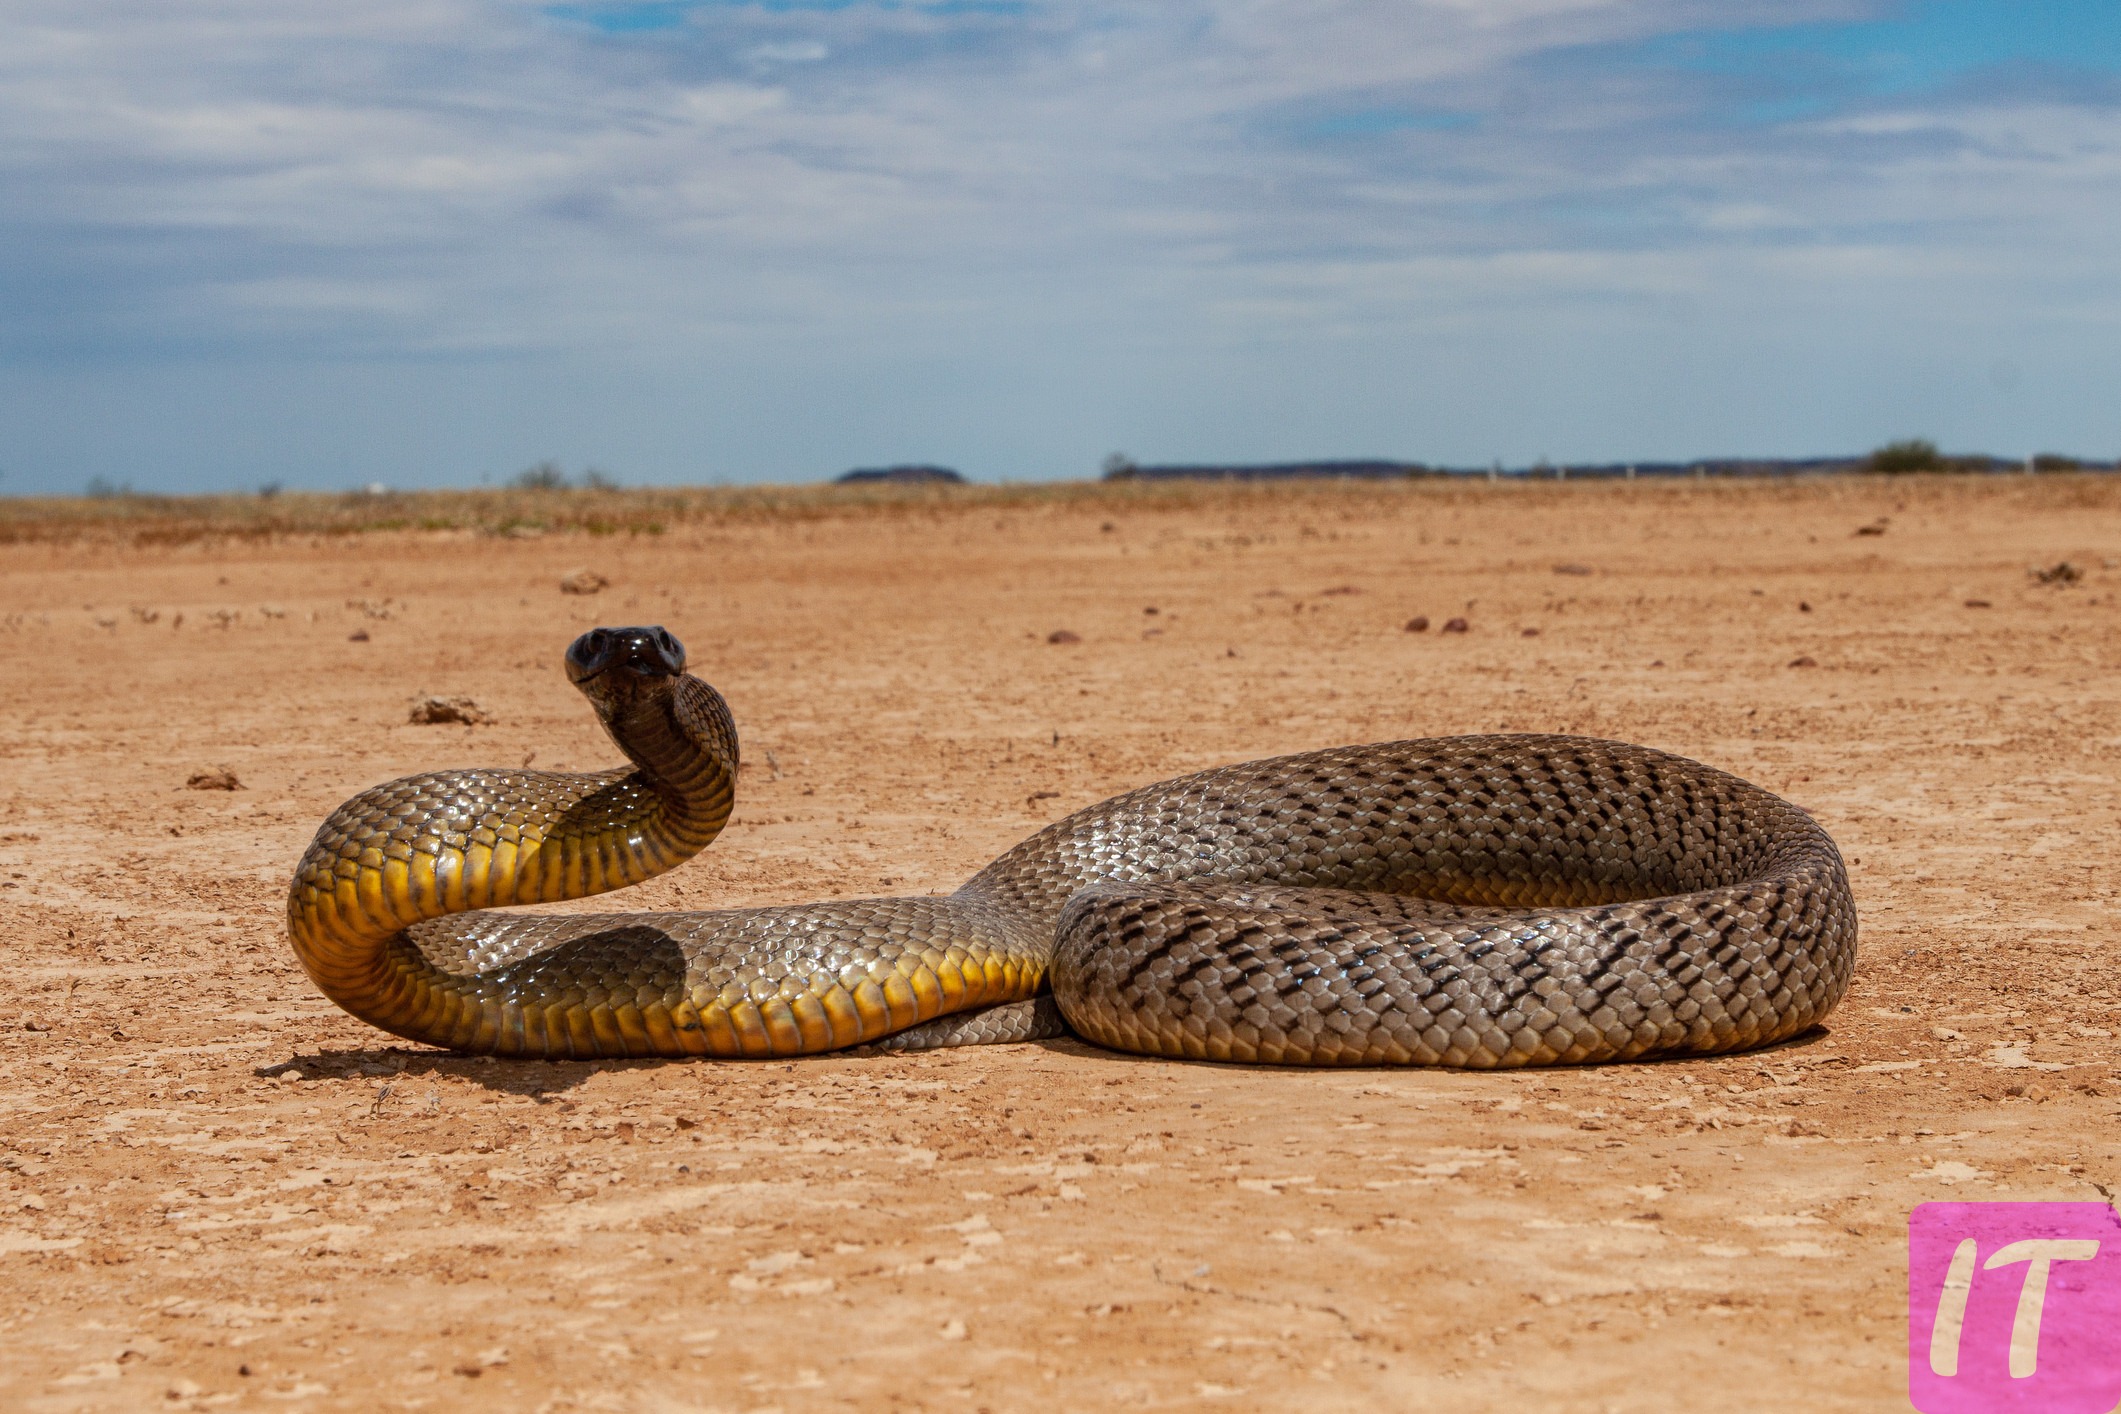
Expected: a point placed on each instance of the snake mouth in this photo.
(651, 651)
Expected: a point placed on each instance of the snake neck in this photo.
(683, 746)
(450, 842)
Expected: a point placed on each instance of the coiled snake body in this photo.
(1470, 901)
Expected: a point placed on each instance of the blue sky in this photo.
(426, 243)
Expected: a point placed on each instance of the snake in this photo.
(1472, 901)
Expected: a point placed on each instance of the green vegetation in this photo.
(1912, 455)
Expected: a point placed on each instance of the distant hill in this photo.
(931, 474)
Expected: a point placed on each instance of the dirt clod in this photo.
(1062, 635)
(219, 778)
(583, 582)
(1418, 624)
(1456, 626)
(438, 711)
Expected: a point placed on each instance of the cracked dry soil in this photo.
(216, 1191)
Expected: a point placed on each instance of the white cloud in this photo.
(455, 179)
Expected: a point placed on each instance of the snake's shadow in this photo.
(534, 1078)
(539, 1079)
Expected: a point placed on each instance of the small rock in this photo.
(1876, 527)
(1977, 604)
(2060, 572)
(1338, 591)
(583, 582)
(1456, 626)
(1803, 607)
(1572, 569)
(32, 1024)
(952, 1330)
(1529, 633)
(1807, 661)
(359, 635)
(438, 711)
(222, 779)
(1061, 635)
(1418, 624)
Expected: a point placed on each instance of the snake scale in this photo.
(1469, 901)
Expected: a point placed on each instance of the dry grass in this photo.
(138, 519)
(150, 520)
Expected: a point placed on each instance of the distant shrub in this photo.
(1911, 455)
(545, 476)
(596, 480)
(2055, 461)
(102, 490)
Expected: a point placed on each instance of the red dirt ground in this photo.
(216, 1190)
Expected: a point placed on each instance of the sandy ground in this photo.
(217, 1190)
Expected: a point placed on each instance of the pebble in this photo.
(1456, 626)
(1807, 661)
(1418, 624)
(1061, 635)
(213, 780)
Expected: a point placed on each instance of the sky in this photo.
(433, 242)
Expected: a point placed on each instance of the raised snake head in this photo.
(618, 667)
